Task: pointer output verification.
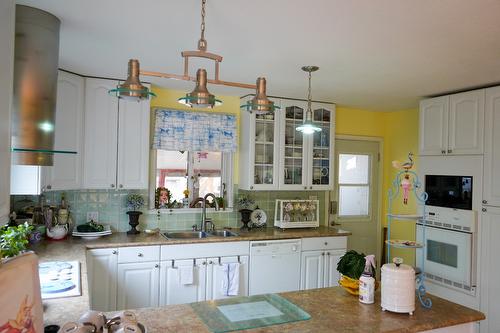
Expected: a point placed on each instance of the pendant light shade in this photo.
(200, 97)
(260, 104)
(132, 88)
(308, 126)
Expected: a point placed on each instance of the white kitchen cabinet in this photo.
(102, 273)
(116, 139)
(278, 157)
(7, 35)
(66, 173)
(490, 270)
(452, 124)
(491, 186)
(215, 276)
(259, 150)
(319, 268)
(138, 285)
(172, 291)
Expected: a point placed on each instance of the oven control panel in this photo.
(450, 218)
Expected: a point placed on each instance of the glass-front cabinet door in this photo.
(293, 146)
(321, 161)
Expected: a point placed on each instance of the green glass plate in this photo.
(240, 313)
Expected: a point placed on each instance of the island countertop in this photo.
(331, 309)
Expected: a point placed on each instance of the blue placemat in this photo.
(240, 313)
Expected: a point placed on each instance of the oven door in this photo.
(448, 256)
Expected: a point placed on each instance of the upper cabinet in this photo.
(491, 187)
(116, 139)
(452, 125)
(275, 156)
(66, 172)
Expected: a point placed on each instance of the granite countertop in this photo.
(331, 309)
(61, 310)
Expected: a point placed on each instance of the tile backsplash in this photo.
(111, 207)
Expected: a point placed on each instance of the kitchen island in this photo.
(332, 310)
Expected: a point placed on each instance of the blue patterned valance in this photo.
(194, 131)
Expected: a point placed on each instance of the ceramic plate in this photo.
(258, 217)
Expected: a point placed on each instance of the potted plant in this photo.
(14, 240)
(245, 201)
(134, 203)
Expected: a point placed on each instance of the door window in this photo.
(354, 185)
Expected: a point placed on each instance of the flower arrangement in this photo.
(135, 201)
(245, 201)
(14, 240)
(186, 193)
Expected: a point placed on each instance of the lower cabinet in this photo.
(207, 279)
(101, 273)
(319, 269)
(138, 285)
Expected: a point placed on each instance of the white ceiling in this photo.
(373, 54)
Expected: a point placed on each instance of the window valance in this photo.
(194, 131)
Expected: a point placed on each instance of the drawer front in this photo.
(138, 254)
(324, 243)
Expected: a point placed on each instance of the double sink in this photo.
(198, 234)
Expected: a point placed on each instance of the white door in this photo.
(138, 285)
(321, 149)
(356, 191)
(312, 269)
(101, 275)
(332, 276)
(215, 276)
(101, 134)
(466, 123)
(490, 288)
(293, 159)
(172, 291)
(491, 189)
(66, 173)
(433, 129)
(133, 144)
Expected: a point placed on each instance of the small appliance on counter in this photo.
(398, 287)
(296, 214)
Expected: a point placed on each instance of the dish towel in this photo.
(186, 274)
(230, 279)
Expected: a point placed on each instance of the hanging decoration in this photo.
(200, 97)
(405, 183)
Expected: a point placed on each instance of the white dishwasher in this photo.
(274, 266)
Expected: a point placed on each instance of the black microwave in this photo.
(449, 191)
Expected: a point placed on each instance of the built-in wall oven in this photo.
(449, 251)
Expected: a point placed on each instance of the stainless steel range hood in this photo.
(35, 86)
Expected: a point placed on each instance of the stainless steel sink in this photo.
(185, 234)
(223, 233)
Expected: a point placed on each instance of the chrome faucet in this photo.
(204, 220)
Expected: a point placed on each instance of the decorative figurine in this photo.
(406, 185)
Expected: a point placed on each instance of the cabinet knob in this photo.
(323, 253)
(310, 187)
(210, 262)
(204, 263)
(326, 243)
(485, 202)
(443, 151)
(484, 210)
(121, 186)
(114, 252)
(328, 253)
(48, 187)
(450, 151)
(140, 255)
(112, 185)
(156, 266)
(251, 187)
(305, 187)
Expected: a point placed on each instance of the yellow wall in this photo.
(399, 131)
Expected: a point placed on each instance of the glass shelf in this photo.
(45, 151)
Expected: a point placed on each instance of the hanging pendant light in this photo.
(200, 97)
(308, 126)
(132, 88)
(260, 104)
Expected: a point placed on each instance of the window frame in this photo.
(226, 178)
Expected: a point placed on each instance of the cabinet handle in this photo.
(156, 266)
(121, 186)
(140, 255)
(443, 151)
(450, 151)
(484, 210)
(114, 252)
(112, 185)
(485, 202)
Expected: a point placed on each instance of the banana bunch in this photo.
(349, 284)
